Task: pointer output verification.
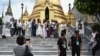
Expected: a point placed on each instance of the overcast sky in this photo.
(16, 6)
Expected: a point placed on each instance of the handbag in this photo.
(27, 51)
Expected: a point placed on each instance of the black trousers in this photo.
(62, 54)
(15, 31)
(95, 49)
(23, 32)
(76, 51)
(19, 30)
(12, 32)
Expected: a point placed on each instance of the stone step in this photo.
(34, 48)
(44, 53)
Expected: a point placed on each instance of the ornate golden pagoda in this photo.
(9, 10)
(25, 15)
(71, 19)
(48, 10)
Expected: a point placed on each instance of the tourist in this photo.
(15, 28)
(44, 33)
(33, 28)
(90, 44)
(62, 45)
(96, 47)
(52, 27)
(76, 44)
(19, 24)
(19, 50)
(48, 29)
(23, 27)
(29, 25)
(63, 27)
(39, 29)
(11, 28)
(56, 35)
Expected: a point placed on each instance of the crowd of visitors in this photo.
(37, 28)
(47, 29)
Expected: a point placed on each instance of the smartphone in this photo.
(27, 39)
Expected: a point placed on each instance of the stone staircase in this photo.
(41, 47)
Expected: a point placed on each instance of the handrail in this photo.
(72, 29)
(88, 32)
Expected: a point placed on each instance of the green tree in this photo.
(96, 26)
(0, 20)
(91, 7)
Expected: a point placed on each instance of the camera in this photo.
(27, 39)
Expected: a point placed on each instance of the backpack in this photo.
(27, 51)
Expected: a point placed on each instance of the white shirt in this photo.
(12, 24)
(19, 24)
(29, 24)
(93, 36)
(63, 26)
(23, 26)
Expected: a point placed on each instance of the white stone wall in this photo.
(6, 18)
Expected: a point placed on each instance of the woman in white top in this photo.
(44, 33)
(29, 23)
(39, 28)
(23, 28)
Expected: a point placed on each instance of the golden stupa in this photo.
(71, 19)
(48, 10)
(25, 16)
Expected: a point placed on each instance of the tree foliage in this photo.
(96, 27)
(0, 20)
(88, 6)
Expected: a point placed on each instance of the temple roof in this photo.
(25, 12)
(9, 9)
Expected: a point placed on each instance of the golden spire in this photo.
(26, 12)
(69, 12)
(25, 15)
(57, 2)
(9, 10)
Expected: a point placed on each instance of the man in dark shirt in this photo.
(62, 45)
(96, 48)
(15, 28)
(75, 44)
